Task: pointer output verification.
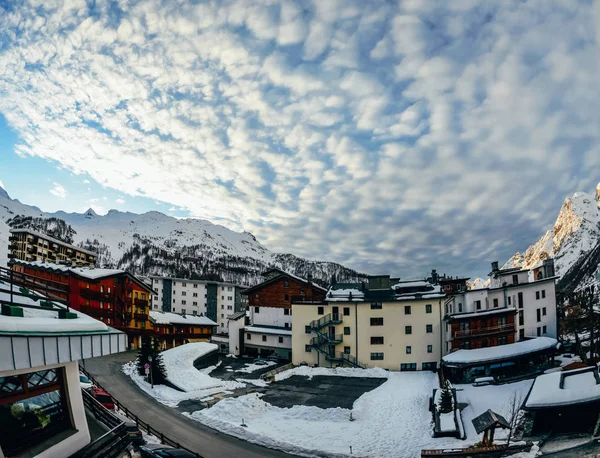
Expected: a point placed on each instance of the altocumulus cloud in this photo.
(392, 138)
(58, 190)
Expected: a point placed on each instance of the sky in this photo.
(392, 137)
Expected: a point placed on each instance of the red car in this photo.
(103, 398)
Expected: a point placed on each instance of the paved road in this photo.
(191, 434)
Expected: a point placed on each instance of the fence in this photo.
(142, 425)
(270, 376)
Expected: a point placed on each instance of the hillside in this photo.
(573, 242)
(157, 244)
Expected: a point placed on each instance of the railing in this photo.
(95, 312)
(140, 316)
(96, 295)
(139, 423)
(55, 291)
(141, 302)
(323, 339)
(484, 331)
(325, 320)
(270, 376)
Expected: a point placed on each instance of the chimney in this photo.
(549, 267)
(495, 266)
(309, 277)
(333, 280)
(434, 277)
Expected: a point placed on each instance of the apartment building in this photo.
(112, 296)
(29, 245)
(215, 300)
(270, 313)
(173, 329)
(517, 305)
(383, 322)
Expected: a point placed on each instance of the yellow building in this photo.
(381, 323)
(29, 245)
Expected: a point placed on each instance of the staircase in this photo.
(325, 342)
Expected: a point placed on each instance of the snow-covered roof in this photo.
(337, 295)
(484, 312)
(264, 330)
(564, 388)
(159, 317)
(482, 355)
(410, 284)
(53, 240)
(39, 320)
(200, 282)
(283, 273)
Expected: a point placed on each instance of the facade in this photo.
(518, 304)
(214, 300)
(41, 407)
(28, 245)
(389, 324)
(270, 312)
(172, 329)
(112, 296)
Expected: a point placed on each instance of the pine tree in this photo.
(446, 399)
(159, 373)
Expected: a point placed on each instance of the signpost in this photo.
(148, 371)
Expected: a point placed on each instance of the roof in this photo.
(345, 292)
(282, 274)
(237, 315)
(501, 352)
(489, 419)
(189, 280)
(456, 316)
(356, 292)
(53, 240)
(159, 317)
(89, 273)
(564, 388)
(269, 330)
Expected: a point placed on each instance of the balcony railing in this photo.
(330, 318)
(141, 302)
(96, 295)
(322, 339)
(484, 331)
(97, 312)
(140, 316)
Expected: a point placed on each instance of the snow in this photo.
(340, 295)
(40, 320)
(159, 317)
(480, 283)
(310, 372)
(411, 284)
(50, 239)
(579, 386)
(391, 420)
(179, 364)
(249, 368)
(485, 312)
(481, 355)
(447, 422)
(261, 330)
(91, 273)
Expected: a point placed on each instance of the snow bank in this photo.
(248, 368)
(481, 355)
(310, 372)
(179, 363)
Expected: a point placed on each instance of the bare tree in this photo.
(581, 319)
(513, 412)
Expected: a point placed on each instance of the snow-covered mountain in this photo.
(154, 243)
(573, 242)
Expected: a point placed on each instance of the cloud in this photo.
(59, 191)
(1, 184)
(120, 201)
(388, 137)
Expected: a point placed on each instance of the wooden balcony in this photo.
(477, 332)
(95, 295)
(140, 316)
(97, 312)
(141, 302)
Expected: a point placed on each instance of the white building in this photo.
(215, 300)
(41, 407)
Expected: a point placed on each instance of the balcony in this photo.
(463, 334)
(140, 316)
(97, 312)
(95, 295)
(141, 302)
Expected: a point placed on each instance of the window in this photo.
(183, 284)
(428, 328)
(256, 309)
(286, 283)
(495, 302)
(544, 329)
(460, 307)
(222, 306)
(307, 329)
(521, 318)
(286, 325)
(521, 334)
(429, 348)
(427, 308)
(183, 311)
(376, 321)
(195, 294)
(183, 293)
(408, 366)
(195, 303)
(543, 294)
(222, 315)
(248, 336)
(174, 292)
(543, 311)
(264, 338)
(501, 320)
(408, 349)
(222, 298)
(307, 348)
(183, 302)
(520, 300)
(484, 343)
(286, 311)
(502, 340)
(376, 305)
(407, 329)
(320, 311)
(376, 356)
(515, 279)
(538, 314)
(346, 311)
(478, 305)
(256, 295)
(195, 285)
(347, 350)
(429, 366)
(286, 298)
(537, 295)
(280, 339)
(407, 310)
(376, 340)
(195, 312)
(346, 330)
(509, 300)
(539, 331)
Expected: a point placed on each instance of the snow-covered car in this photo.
(163, 451)
(85, 382)
(260, 362)
(273, 358)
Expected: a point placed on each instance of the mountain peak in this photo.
(5, 195)
(90, 213)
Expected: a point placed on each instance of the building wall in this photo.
(279, 293)
(479, 325)
(233, 329)
(530, 306)
(271, 316)
(260, 344)
(81, 437)
(356, 317)
(35, 247)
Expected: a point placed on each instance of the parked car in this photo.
(163, 451)
(103, 398)
(85, 382)
(134, 433)
(273, 358)
(260, 362)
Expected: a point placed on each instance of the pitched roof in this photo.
(237, 315)
(53, 240)
(501, 352)
(159, 317)
(489, 419)
(282, 274)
